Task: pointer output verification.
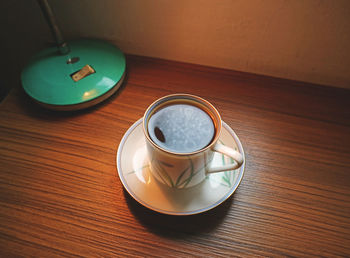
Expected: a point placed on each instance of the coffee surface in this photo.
(181, 128)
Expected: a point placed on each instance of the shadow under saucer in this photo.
(172, 226)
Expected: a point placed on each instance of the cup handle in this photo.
(228, 152)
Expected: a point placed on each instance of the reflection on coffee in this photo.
(181, 128)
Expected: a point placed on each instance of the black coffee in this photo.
(181, 128)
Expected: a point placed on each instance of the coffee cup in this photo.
(182, 134)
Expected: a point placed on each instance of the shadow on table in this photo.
(172, 226)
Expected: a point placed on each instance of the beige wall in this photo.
(306, 40)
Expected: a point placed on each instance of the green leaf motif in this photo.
(166, 164)
(191, 174)
(136, 170)
(181, 176)
(163, 174)
(185, 182)
(228, 175)
(227, 180)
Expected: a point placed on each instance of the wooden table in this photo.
(60, 194)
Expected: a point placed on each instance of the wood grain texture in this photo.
(60, 194)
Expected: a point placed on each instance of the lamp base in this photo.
(90, 73)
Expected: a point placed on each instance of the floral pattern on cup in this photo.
(226, 178)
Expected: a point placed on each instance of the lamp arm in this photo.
(62, 46)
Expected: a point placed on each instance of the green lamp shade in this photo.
(48, 77)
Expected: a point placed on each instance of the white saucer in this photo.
(133, 170)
